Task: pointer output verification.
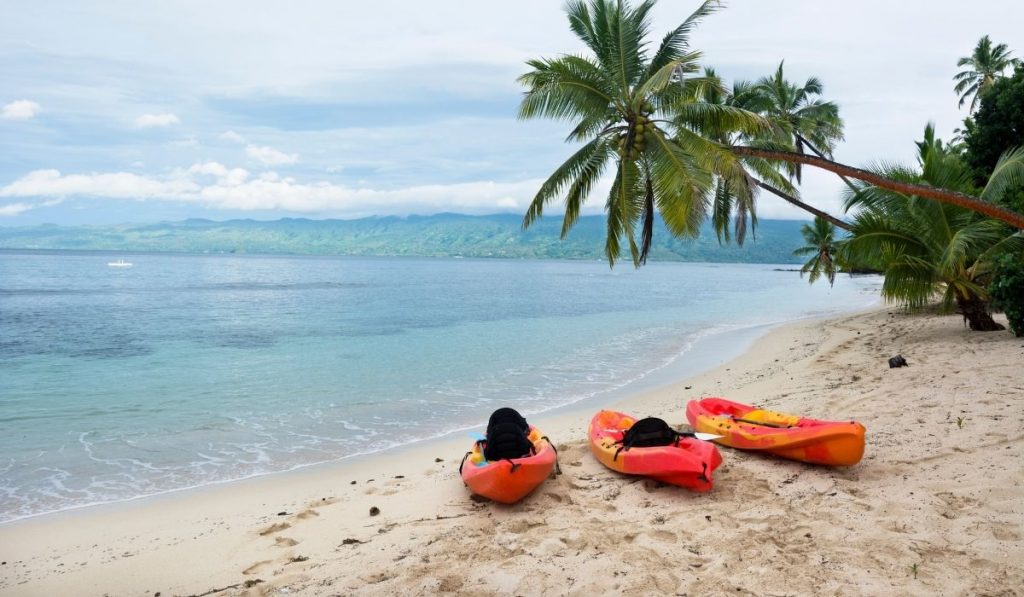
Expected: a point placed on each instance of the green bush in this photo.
(1007, 289)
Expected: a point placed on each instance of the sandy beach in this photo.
(935, 507)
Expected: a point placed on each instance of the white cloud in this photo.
(20, 110)
(115, 185)
(232, 136)
(226, 176)
(13, 209)
(156, 120)
(270, 156)
(214, 185)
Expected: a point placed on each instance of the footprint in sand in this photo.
(256, 567)
(521, 525)
(280, 526)
(285, 542)
(307, 514)
(952, 504)
(1005, 534)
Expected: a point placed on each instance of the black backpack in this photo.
(507, 436)
(647, 433)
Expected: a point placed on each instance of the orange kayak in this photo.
(689, 463)
(834, 443)
(508, 481)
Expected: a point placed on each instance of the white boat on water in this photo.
(119, 263)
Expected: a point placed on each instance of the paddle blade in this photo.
(707, 437)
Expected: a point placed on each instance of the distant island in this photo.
(441, 235)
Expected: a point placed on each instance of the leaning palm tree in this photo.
(927, 249)
(826, 129)
(877, 178)
(821, 246)
(986, 64)
(639, 114)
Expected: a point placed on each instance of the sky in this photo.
(117, 111)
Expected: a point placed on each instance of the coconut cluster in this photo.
(633, 141)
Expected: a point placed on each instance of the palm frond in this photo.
(567, 174)
(569, 87)
(622, 211)
(1008, 173)
(657, 81)
(676, 42)
(681, 186)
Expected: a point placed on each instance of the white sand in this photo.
(936, 507)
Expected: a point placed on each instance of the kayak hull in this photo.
(688, 464)
(508, 481)
(745, 427)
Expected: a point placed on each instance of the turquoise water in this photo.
(185, 370)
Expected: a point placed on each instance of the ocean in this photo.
(187, 370)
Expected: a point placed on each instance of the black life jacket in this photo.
(647, 433)
(507, 436)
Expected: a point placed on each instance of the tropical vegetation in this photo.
(996, 127)
(640, 116)
(803, 120)
(1007, 289)
(675, 140)
(927, 249)
(792, 115)
(821, 245)
(983, 67)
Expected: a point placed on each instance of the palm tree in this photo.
(750, 96)
(878, 179)
(805, 121)
(639, 113)
(816, 125)
(821, 246)
(984, 66)
(927, 248)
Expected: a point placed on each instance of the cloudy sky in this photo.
(126, 111)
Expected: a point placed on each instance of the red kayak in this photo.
(834, 443)
(508, 480)
(688, 462)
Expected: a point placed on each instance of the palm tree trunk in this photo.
(821, 155)
(934, 193)
(976, 315)
(808, 208)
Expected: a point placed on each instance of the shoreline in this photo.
(192, 541)
(724, 344)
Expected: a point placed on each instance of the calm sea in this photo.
(185, 370)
